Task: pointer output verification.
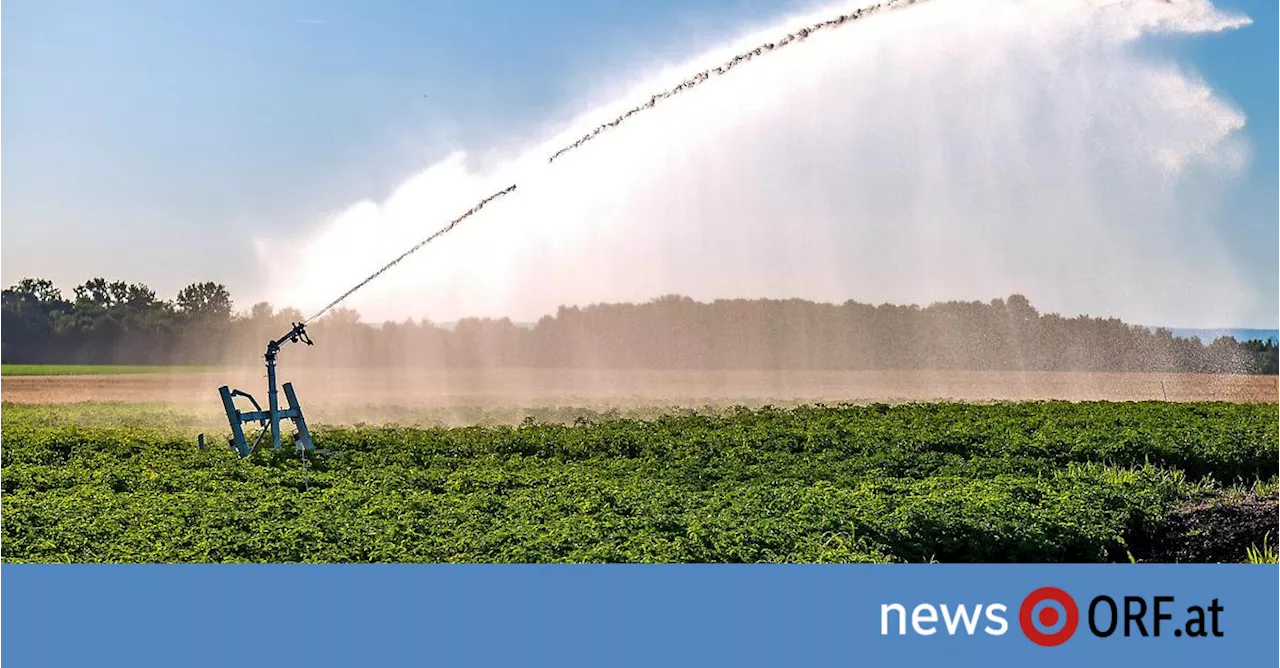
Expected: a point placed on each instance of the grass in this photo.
(1262, 554)
(178, 419)
(96, 369)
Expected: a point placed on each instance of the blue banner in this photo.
(909, 615)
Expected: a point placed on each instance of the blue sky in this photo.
(1242, 66)
(150, 140)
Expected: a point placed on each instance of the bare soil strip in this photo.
(577, 387)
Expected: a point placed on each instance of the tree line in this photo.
(106, 322)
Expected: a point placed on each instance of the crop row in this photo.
(947, 482)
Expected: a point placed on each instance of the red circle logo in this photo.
(1043, 622)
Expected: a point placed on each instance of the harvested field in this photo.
(329, 393)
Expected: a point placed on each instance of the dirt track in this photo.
(549, 387)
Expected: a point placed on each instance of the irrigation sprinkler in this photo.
(270, 418)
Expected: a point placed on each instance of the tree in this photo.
(1020, 307)
(139, 297)
(262, 311)
(205, 301)
(99, 295)
(36, 291)
(115, 322)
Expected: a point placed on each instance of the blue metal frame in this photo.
(270, 418)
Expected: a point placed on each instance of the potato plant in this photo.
(1028, 482)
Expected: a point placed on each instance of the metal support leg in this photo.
(295, 409)
(233, 417)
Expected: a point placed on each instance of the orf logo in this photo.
(1048, 616)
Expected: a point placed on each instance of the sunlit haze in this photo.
(950, 150)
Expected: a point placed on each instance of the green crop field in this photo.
(96, 369)
(1028, 482)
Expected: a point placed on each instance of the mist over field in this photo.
(949, 150)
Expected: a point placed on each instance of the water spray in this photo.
(697, 79)
(270, 418)
(705, 75)
(441, 232)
